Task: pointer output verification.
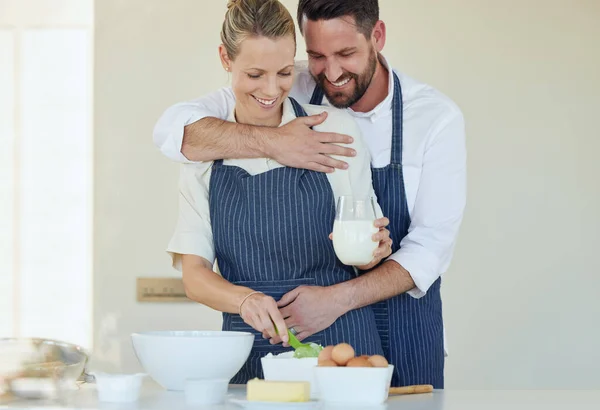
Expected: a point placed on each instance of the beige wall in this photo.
(519, 298)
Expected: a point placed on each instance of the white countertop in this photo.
(154, 397)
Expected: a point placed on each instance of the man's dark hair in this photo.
(364, 12)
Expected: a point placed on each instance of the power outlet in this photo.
(161, 290)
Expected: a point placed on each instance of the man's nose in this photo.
(333, 71)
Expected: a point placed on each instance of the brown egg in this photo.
(327, 363)
(325, 354)
(342, 353)
(378, 361)
(359, 362)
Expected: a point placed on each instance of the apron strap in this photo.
(298, 110)
(397, 108)
(317, 96)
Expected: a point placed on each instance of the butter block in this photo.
(267, 390)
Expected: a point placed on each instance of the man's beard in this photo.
(361, 81)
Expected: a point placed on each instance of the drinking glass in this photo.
(353, 230)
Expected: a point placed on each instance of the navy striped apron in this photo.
(411, 330)
(271, 234)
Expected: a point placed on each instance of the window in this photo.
(46, 169)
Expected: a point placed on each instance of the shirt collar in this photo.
(288, 113)
(386, 104)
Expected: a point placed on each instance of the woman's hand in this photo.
(260, 311)
(385, 243)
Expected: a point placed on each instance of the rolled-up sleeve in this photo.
(427, 249)
(193, 233)
(168, 131)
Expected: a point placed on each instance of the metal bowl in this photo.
(39, 368)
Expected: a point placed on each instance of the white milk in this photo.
(353, 243)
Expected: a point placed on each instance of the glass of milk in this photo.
(353, 230)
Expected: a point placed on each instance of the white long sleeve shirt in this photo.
(433, 162)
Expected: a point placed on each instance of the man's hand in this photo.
(308, 309)
(296, 145)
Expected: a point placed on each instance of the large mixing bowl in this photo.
(34, 367)
(172, 357)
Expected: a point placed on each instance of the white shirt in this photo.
(433, 162)
(193, 234)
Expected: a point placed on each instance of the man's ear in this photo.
(378, 36)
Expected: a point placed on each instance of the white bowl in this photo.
(118, 388)
(285, 367)
(204, 392)
(355, 386)
(172, 357)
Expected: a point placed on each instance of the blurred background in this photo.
(88, 204)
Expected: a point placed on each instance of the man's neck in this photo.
(377, 91)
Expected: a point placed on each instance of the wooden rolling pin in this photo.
(420, 388)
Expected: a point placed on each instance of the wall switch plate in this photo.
(161, 290)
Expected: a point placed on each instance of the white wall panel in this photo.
(7, 139)
(56, 185)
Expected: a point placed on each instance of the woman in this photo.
(268, 225)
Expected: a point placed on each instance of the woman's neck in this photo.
(274, 120)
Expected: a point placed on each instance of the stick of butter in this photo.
(263, 390)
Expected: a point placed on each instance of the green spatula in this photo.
(302, 350)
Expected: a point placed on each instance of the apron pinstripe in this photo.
(411, 330)
(271, 234)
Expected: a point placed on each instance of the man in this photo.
(417, 143)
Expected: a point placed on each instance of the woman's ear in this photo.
(225, 61)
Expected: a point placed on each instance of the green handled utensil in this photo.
(294, 342)
(302, 350)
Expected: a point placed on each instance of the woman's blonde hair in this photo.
(253, 18)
